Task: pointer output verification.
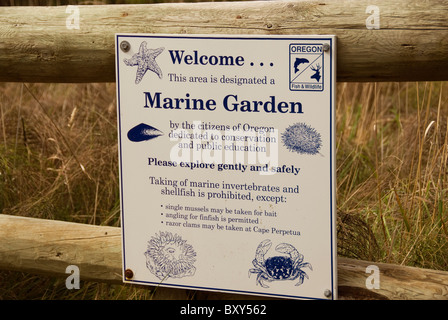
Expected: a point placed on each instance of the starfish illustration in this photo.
(145, 59)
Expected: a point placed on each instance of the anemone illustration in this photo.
(168, 255)
(302, 138)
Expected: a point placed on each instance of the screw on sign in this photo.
(129, 274)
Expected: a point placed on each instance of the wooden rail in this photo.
(408, 42)
(47, 247)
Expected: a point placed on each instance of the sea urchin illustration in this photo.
(167, 255)
(302, 139)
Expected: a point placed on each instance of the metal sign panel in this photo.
(227, 163)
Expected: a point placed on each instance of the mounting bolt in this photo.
(129, 274)
(125, 46)
(326, 47)
(327, 293)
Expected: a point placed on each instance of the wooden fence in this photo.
(403, 40)
(47, 247)
(411, 43)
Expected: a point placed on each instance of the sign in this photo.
(227, 163)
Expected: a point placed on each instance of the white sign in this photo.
(227, 163)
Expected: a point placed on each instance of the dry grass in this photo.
(58, 160)
(392, 164)
(58, 152)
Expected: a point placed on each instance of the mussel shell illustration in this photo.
(143, 132)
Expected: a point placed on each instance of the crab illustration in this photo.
(278, 268)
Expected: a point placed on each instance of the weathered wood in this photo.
(411, 44)
(396, 282)
(47, 247)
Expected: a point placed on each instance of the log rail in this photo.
(408, 42)
(48, 247)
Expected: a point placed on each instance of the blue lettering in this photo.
(186, 103)
(177, 56)
(151, 100)
(230, 103)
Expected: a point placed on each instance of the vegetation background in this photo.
(59, 160)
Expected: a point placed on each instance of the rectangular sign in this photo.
(227, 163)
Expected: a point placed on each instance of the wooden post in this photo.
(47, 247)
(402, 40)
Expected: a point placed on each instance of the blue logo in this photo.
(306, 63)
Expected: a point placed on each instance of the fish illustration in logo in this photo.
(298, 62)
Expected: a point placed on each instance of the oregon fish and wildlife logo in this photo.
(306, 67)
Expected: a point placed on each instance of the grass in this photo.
(58, 152)
(58, 160)
(392, 164)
